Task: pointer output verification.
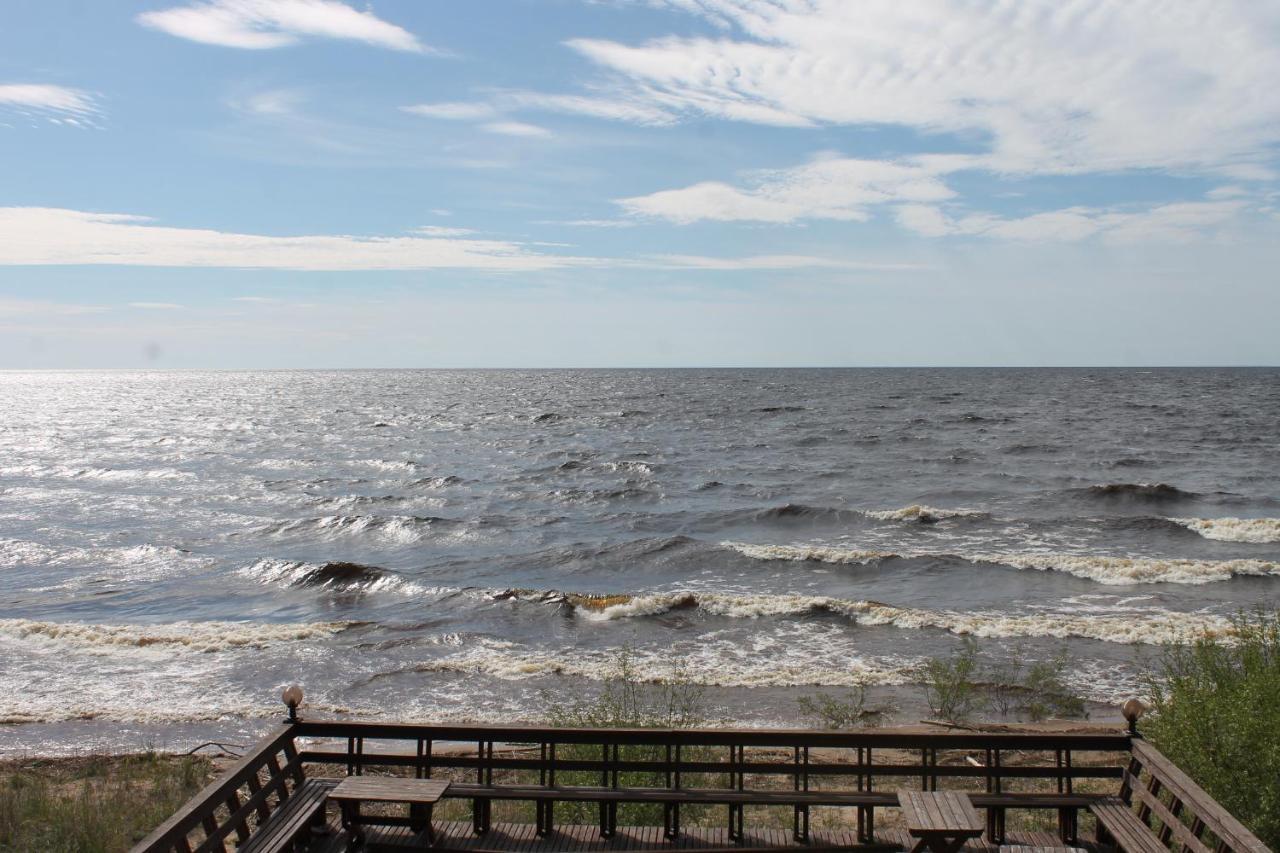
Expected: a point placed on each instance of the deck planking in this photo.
(523, 838)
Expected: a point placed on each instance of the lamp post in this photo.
(292, 697)
(1132, 711)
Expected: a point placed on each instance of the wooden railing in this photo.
(735, 769)
(241, 799)
(1180, 813)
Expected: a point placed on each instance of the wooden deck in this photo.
(521, 838)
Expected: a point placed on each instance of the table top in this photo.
(389, 789)
(940, 813)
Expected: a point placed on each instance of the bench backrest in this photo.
(1179, 812)
(228, 809)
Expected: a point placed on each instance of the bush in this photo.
(950, 685)
(966, 683)
(1214, 713)
(834, 712)
(627, 701)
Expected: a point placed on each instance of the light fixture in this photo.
(292, 697)
(1132, 710)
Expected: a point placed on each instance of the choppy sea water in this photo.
(176, 547)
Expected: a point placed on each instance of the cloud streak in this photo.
(265, 24)
(55, 236)
(45, 98)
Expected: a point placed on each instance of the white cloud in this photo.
(454, 110)
(825, 188)
(43, 236)
(1045, 85)
(633, 110)
(1168, 222)
(272, 102)
(155, 306)
(49, 99)
(517, 128)
(260, 24)
(775, 262)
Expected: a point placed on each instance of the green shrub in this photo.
(950, 685)
(966, 683)
(626, 700)
(836, 712)
(1215, 713)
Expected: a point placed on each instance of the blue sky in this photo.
(309, 183)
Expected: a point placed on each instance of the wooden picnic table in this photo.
(941, 821)
(419, 794)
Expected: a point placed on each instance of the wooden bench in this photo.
(941, 821)
(1118, 825)
(294, 821)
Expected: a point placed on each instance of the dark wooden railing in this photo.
(735, 769)
(1180, 813)
(244, 797)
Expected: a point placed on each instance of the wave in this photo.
(784, 662)
(810, 553)
(1133, 626)
(400, 528)
(1255, 530)
(1139, 492)
(201, 637)
(924, 514)
(334, 576)
(1102, 569)
(96, 473)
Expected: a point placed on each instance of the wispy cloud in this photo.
(1092, 86)
(516, 128)
(155, 306)
(1167, 222)
(70, 105)
(825, 188)
(777, 262)
(53, 236)
(261, 24)
(453, 110)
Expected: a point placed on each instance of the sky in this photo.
(609, 183)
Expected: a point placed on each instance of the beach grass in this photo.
(93, 804)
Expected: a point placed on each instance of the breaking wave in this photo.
(1134, 626)
(202, 637)
(1255, 530)
(774, 663)
(334, 576)
(1102, 569)
(924, 514)
(399, 528)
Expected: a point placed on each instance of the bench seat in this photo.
(1119, 825)
(292, 821)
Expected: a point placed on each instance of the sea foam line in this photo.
(182, 637)
(1102, 569)
(1146, 626)
(1255, 530)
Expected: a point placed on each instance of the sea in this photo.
(177, 547)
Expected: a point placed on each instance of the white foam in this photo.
(800, 656)
(921, 512)
(170, 637)
(1256, 530)
(814, 553)
(1102, 569)
(1132, 625)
